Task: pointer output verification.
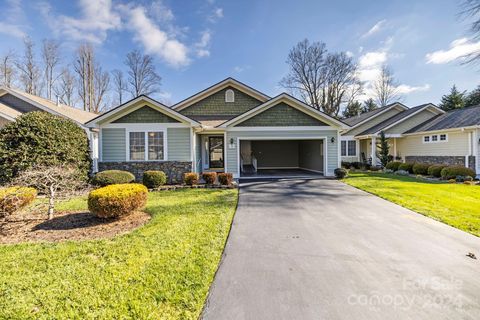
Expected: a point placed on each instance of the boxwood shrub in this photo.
(393, 165)
(108, 177)
(406, 166)
(420, 168)
(340, 173)
(15, 198)
(209, 177)
(117, 200)
(153, 179)
(451, 172)
(225, 178)
(190, 178)
(435, 170)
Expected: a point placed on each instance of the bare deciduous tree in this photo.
(471, 11)
(119, 85)
(29, 70)
(51, 60)
(7, 68)
(56, 182)
(323, 80)
(385, 88)
(65, 88)
(142, 76)
(101, 82)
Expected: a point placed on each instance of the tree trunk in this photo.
(51, 204)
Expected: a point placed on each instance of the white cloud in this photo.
(458, 49)
(14, 15)
(11, 30)
(203, 45)
(406, 89)
(372, 59)
(349, 54)
(239, 69)
(216, 15)
(162, 12)
(154, 40)
(376, 28)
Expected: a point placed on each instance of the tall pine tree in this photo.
(473, 98)
(353, 109)
(369, 105)
(454, 100)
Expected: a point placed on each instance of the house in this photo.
(227, 127)
(423, 133)
(14, 103)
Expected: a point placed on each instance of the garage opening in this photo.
(281, 158)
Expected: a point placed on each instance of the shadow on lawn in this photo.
(72, 221)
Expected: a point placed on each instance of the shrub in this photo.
(154, 179)
(463, 179)
(15, 198)
(340, 173)
(375, 168)
(420, 168)
(451, 172)
(190, 178)
(436, 170)
(402, 173)
(346, 164)
(406, 166)
(356, 165)
(225, 178)
(108, 177)
(117, 200)
(388, 171)
(41, 138)
(393, 165)
(209, 177)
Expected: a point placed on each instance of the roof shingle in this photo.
(465, 117)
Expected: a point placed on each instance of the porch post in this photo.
(374, 151)
(395, 147)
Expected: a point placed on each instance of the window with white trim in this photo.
(443, 137)
(348, 148)
(435, 138)
(426, 139)
(229, 96)
(147, 145)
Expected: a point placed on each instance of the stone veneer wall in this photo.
(449, 160)
(471, 163)
(173, 169)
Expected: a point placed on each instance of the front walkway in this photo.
(319, 249)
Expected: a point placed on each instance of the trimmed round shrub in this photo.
(209, 177)
(420, 168)
(225, 178)
(406, 166)
(356, 165)
(153, 179)
(15, 198)
(340, 173)
(346, 164)
(41, 138)
(451, 172)
(393, 165)
(190, 178)
(436, 170)
(108, 177)
(117, 200)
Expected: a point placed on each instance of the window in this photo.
(426, 139)
(154, 141)
(229, 96)
(434, 138)
(443, 137)
(348, 148)
(137, 145)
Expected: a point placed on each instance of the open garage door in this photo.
(282, 157)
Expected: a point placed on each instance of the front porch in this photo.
(369, 149)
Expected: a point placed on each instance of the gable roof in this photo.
(466, 117)
(217, 87)
(157, 105)
(367, 116)
(77, 115)
(8, 112)
(294, 103)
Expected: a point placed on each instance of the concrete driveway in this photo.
(319, 249)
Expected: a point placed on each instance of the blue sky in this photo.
(198, 43)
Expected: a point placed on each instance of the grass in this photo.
(455, 204)
(161, 271)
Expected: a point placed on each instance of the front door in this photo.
(215, 152)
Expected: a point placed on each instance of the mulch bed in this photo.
(68, 226)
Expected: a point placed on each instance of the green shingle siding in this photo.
(178, 140)
(145, 115)
(215, 105)
(113, 144)
(281, 115)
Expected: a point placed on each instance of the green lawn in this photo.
(455, 204)
(161, 271)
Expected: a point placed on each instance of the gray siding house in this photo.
(228, 127)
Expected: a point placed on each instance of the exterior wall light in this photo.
(332, 139)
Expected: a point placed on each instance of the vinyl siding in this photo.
(457, 145)
(411, 122)
(373, 122)
(332, 148)
(178, 141)
(113, 144)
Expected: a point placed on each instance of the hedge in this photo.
(225, 178)
(108, 177)
(420, 168)
(209, 177)
(190, 178)
(340, 173)
(15, 198)
(436, 170)
(117, 200)
(451, 172)
(393, 165)
(407, 166)
(153, 179)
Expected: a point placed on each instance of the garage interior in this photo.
(281, 158)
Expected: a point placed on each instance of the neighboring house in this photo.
(424, 134)
(227, 127)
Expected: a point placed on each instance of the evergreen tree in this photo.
(353, 109)
(384, 149)
(473, 98)
(369, 105)
(454, 100)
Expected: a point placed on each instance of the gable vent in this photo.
(229, 96)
